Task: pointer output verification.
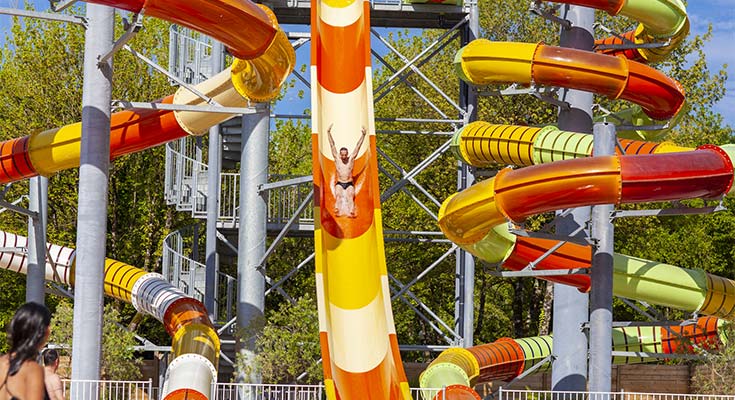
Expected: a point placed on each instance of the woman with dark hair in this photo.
(22, 376)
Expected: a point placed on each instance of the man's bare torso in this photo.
(344, 170)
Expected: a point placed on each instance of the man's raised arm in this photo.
(331, 141)
(359, 144)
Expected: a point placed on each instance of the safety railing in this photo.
(503, 394)
(108, 390)
(181, 268)
(186, 187)
(284, 201)
(190, 54)
(182, 174)
(239, 391)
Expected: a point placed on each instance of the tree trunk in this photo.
(545, 322)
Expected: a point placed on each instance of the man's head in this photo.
(50, 358)
(344, 155)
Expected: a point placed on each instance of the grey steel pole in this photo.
(92, 208)
(214, 169)
(36, 273)
(601, 294)
(252, 233)
(569, 368)
(465, 309)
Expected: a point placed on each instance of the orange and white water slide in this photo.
(263, 59)
(358, 338)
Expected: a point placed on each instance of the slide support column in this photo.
(252, 234)
(214, 169)
(465, 310)
(569, 368)
(36, 273)
(92, 209)
(601, 293)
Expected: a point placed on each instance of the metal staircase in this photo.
(185, 187)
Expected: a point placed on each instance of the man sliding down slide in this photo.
(344, 187)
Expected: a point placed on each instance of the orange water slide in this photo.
(264, 58)
(360, 352)
(483, 62)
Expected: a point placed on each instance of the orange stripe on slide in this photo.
(568, 256)
(704, 335)
(326, 357)
(457, 392)
(15, 162)
(186, 394)
(396, 352)
(366, 19)
(500, 360)
(140, 129)
(183, 311)
(625, 39)
(636, 147)
(341, 71)
(351, 385)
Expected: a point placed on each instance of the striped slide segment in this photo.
(358, 340)
(264, 58)
(506, 358)
(195, 343)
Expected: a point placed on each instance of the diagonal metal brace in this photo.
(131, 29)
(536, 8)
(525, 373)
(61, 5)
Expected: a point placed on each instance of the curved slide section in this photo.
(270, 59)
(483, 62)
(264, 58)
(662, 23)
(476, 218)
(195, 344)
(360, 352)
(506, 359)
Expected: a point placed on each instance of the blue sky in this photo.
(720, 50)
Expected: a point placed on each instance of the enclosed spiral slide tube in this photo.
(359, 348)
(264, 58)
(505, 359)
(195, 344)
(477, 218)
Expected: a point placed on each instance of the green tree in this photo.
(118, 361)
(41, 82)
(288, 345)
(715, 373)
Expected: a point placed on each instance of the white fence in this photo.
(144, 390)
(239, 391)
(559, 395)
(235, 391)
(109, 390)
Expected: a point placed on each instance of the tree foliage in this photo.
(288, 346)
(715, 374)
(41, 86)
(118, 361)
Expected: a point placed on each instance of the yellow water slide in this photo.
(358, 338)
